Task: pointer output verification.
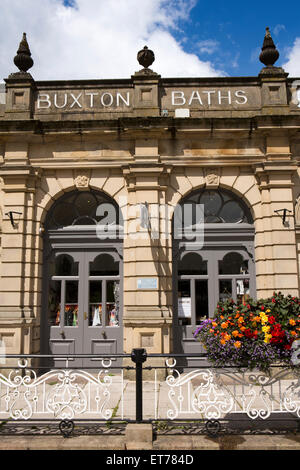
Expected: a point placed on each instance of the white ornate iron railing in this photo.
(204, 398)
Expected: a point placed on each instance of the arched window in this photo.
(220, 206)
(83, 208)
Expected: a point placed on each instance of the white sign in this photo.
(209, 98)
(185, 307)
(147, 283)
(82, 99)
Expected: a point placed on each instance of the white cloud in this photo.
(292, 66)
(208, 46)
(278, 28)
(98, 38)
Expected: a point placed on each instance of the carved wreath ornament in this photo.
(212, 177)
(82, 181)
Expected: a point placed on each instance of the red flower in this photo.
(248, 333)
(273, 300)
(278, 335)
(271, 319)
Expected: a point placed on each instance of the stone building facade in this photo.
(142, 143)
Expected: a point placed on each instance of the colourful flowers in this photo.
(252, 333)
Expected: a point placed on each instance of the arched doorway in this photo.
(82, 278)
(212, 266)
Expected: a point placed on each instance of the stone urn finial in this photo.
(145, 57)
(23, 58)
(269, 54)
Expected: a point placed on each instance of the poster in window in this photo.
(184, 307)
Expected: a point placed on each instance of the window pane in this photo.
(95, 303)
(192, 264)
(201, 300)
(65, 266)
(184, 303)
(212, 201)
(104, 265)
(242, 289)
(232, 212)
(225, 291)
(64, 214)
(112, 304)
(86, 204)
(233, 263)
(71, 303)
(54, 303)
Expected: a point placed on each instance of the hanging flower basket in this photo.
(252, 334)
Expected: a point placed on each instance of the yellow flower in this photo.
(227, 337)
(292, 322)
(267, 338)
(268, 310)
(265, 329)
(264, 318)
(235, 333)
(224, 325)
(223, 341)
(237, 344)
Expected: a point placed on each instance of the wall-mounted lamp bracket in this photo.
(283, 215)
(11, 217)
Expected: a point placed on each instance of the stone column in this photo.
(147, 260)
(276, 250)
(20, 283)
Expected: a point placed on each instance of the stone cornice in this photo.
(121, 126)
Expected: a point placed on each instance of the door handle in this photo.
(62, 334)
(104, 335)
(85, 316)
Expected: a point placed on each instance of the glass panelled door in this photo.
(84, 308)
(102, 307)
(193, 292)
(64, 304)
(203, 279)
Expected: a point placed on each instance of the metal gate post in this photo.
(138, 356)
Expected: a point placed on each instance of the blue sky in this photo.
(235, 32)
(88, 39)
